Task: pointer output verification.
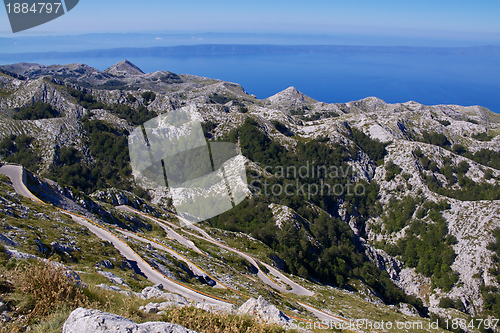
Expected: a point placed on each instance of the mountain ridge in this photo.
(432, 155)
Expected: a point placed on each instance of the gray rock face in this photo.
(86, 320)
(408, 309)
(153, 292)
(20, 255)
(157, 307)
(156, 292)
(124, 68)
(7, 241)
(3, 306)
(383, 261)
(264, 311)
(106, 264)
(67, 247)
(112, 277)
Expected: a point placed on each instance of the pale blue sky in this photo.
(458, 19)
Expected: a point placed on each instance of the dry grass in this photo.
(45, 287)
(40, 290)
(202, 321)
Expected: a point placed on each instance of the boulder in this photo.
(112, 277)
(153, 292)
(266, 312)
(7, 241)
(67, 247)
(408, 309)
(86, 320)
(3, 306)
(157, 307)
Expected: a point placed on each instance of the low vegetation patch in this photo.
(468, 190)
(427, 245)
(203, 321)
(491, 294)
(19, 149)
(39, 110)
(41, 296)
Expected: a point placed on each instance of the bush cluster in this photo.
(18, 149)
(336, 257)
(39, 110)
(427, 245)
(469, 190)
(109, 150)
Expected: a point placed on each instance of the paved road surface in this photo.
(15, 173)
(152, 274)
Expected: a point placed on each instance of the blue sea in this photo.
(331, 78)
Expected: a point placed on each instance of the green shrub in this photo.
(373, 148)
(459, 149)
(447, 302)
(469, 190)
(222, 99)
(436, 139)
(491, 295)
(135, 117)
(19, 149)
(392, 170)
(428, 247)
(444, 122)
(299, 111)
(482, 136)
(281, 128)
(486, 157)
(109, 150)
(399, 213)
(148, 96)
(131, 98)
(39, 110)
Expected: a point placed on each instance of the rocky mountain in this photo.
(409, 220)
(124, 68)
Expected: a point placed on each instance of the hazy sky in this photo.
(455, 19)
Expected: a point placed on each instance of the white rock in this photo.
(3, 306)
(112, 277)
(408, 309)
(264, 311)
(86, 320)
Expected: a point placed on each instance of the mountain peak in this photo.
(124, 67)
(292, 90)
(290, 97)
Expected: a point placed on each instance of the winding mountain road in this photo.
(195, 269)
(15, 173)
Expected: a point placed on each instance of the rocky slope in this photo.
(411, 131)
